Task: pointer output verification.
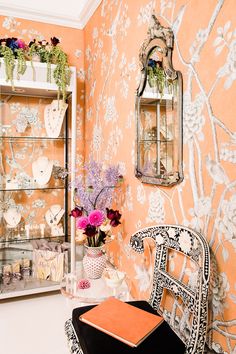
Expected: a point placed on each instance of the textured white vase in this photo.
(94, 262)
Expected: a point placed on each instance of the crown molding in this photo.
(88, 11)
(78, 22)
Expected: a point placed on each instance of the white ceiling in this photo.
(69, 13)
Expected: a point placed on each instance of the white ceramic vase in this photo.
(94, 262)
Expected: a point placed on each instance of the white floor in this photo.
(34, 325)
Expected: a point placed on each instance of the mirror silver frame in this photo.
(160, 42)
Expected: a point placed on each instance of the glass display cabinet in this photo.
(159, 111)
(37, 148)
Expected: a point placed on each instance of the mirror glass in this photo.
(159, 115)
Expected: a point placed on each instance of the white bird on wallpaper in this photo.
(216, 171)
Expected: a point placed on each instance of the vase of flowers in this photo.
(94, 262)
(94, 217)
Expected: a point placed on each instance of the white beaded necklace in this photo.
(53, 117)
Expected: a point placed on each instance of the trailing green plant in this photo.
(9, 61)
(156, 75)
(21, 63)
(61, 72)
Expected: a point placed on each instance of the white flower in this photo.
(143, 276)
(14, 107)
(229, 69)
(219, 287)
(105, 227)
(156, 211)
(228, 155)
(88, 53)
(227, 224)
(192, 116)
(81, 74)
(130, 119)
(193, 277)
(216, 171)
(97, 137)
(202, 207)
(145, 13)
(185, 241)
(141, 196)
(111, 112)
(10, 23)
(113, 143)
(78, 53)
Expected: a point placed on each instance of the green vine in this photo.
(21, 63)
(61, 73)
(156, 78)
(9, 61)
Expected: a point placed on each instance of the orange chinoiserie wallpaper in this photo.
(106, 56)
(205, 53)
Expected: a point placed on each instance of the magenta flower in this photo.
(21, 44)
(96, 218)
(82, 222)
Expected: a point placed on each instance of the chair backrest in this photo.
(194, 299)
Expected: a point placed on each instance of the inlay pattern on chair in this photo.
(184, 328)
(194, 246)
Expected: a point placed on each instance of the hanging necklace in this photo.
(53, 117)
(42, 170)
(54, 215)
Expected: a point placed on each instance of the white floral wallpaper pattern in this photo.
(205, 53)
(205, 37)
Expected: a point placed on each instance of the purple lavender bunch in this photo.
(95, 190)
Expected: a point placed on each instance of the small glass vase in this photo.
(94, 261)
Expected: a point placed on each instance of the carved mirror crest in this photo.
(159, 111)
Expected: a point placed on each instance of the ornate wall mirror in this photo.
(159, 111)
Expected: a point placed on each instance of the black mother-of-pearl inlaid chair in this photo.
(184, 328)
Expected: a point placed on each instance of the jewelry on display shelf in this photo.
(53, 216)
(53, 117)
(42, 170)
(12, 217)
(11, 184)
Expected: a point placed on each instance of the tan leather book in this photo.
(122, 321)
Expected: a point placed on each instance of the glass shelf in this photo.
(12, 138)
(27, 286)
(30, 189)
(26, 240)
